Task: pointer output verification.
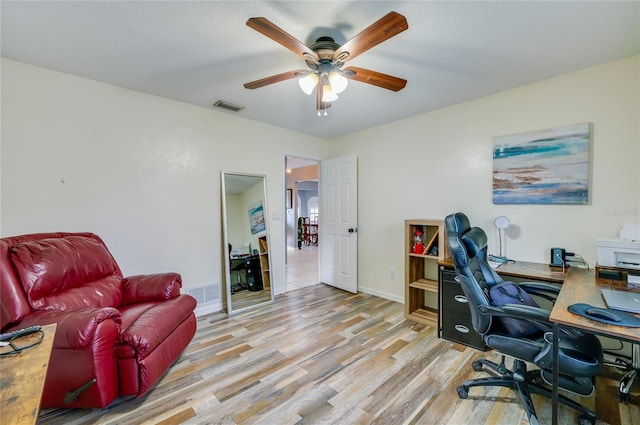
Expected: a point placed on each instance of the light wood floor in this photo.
(323, 356)
(302, 267)
(246, 298)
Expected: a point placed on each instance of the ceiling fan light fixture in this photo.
(338, 82)
(328, 95)
(308, 82)
(325, 59)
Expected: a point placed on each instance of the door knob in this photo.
(353, 230)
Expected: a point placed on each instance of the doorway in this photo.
(301, 258)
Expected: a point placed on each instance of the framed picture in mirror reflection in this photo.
(256, 218)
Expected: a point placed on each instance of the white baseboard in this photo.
(380, 294)
(215, 307)
(203, 309)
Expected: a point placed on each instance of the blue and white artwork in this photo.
(256, 218)
(542, 167)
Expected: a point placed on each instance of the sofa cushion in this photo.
(147, 325)
(67, 273)
(15, 305)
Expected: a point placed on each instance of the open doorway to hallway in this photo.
(301, 179)
(302, 267)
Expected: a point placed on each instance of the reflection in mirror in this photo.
(246, 241)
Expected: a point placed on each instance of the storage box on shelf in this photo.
(421, 269)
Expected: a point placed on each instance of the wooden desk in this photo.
(581, 286)
(524, 270)
(578, 285)
(22, 380)
(532, 271)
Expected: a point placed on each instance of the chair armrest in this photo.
(77, 328)
(150, 287)
(537, 316)
(516, 311)
(540, 289)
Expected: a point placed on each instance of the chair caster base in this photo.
(625, 386)
(586, 420)
(623, 398)
(463, 392)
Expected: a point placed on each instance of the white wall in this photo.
(144, 172)
(438, 163)
(141, 171)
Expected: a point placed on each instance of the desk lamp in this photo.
(501, 223)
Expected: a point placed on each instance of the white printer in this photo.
(623, 252)
(241, 252)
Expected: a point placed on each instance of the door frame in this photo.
(295, 208)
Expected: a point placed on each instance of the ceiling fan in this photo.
(325, 59)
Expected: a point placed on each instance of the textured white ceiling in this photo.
(200, 52)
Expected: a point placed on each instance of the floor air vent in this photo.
(208, 298)
(205, 294)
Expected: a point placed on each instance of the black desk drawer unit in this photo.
(454, 310)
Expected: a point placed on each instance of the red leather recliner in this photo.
(122, 332)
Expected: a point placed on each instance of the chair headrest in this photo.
(457, 224)
(465, 242)
(475, 240)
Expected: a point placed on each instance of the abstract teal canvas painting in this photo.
(542, 167)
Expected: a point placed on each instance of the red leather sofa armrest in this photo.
(75, 329)
(151, 287)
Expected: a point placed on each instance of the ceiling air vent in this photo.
(227, 105)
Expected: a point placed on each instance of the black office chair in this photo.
(580, 354)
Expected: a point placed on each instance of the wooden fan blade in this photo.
(376, 78)
(277, 34)
(273, 79)
(383, 29)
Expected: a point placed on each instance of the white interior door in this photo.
(338, 227)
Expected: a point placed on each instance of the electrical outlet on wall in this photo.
(558, 257)
(392, 273)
